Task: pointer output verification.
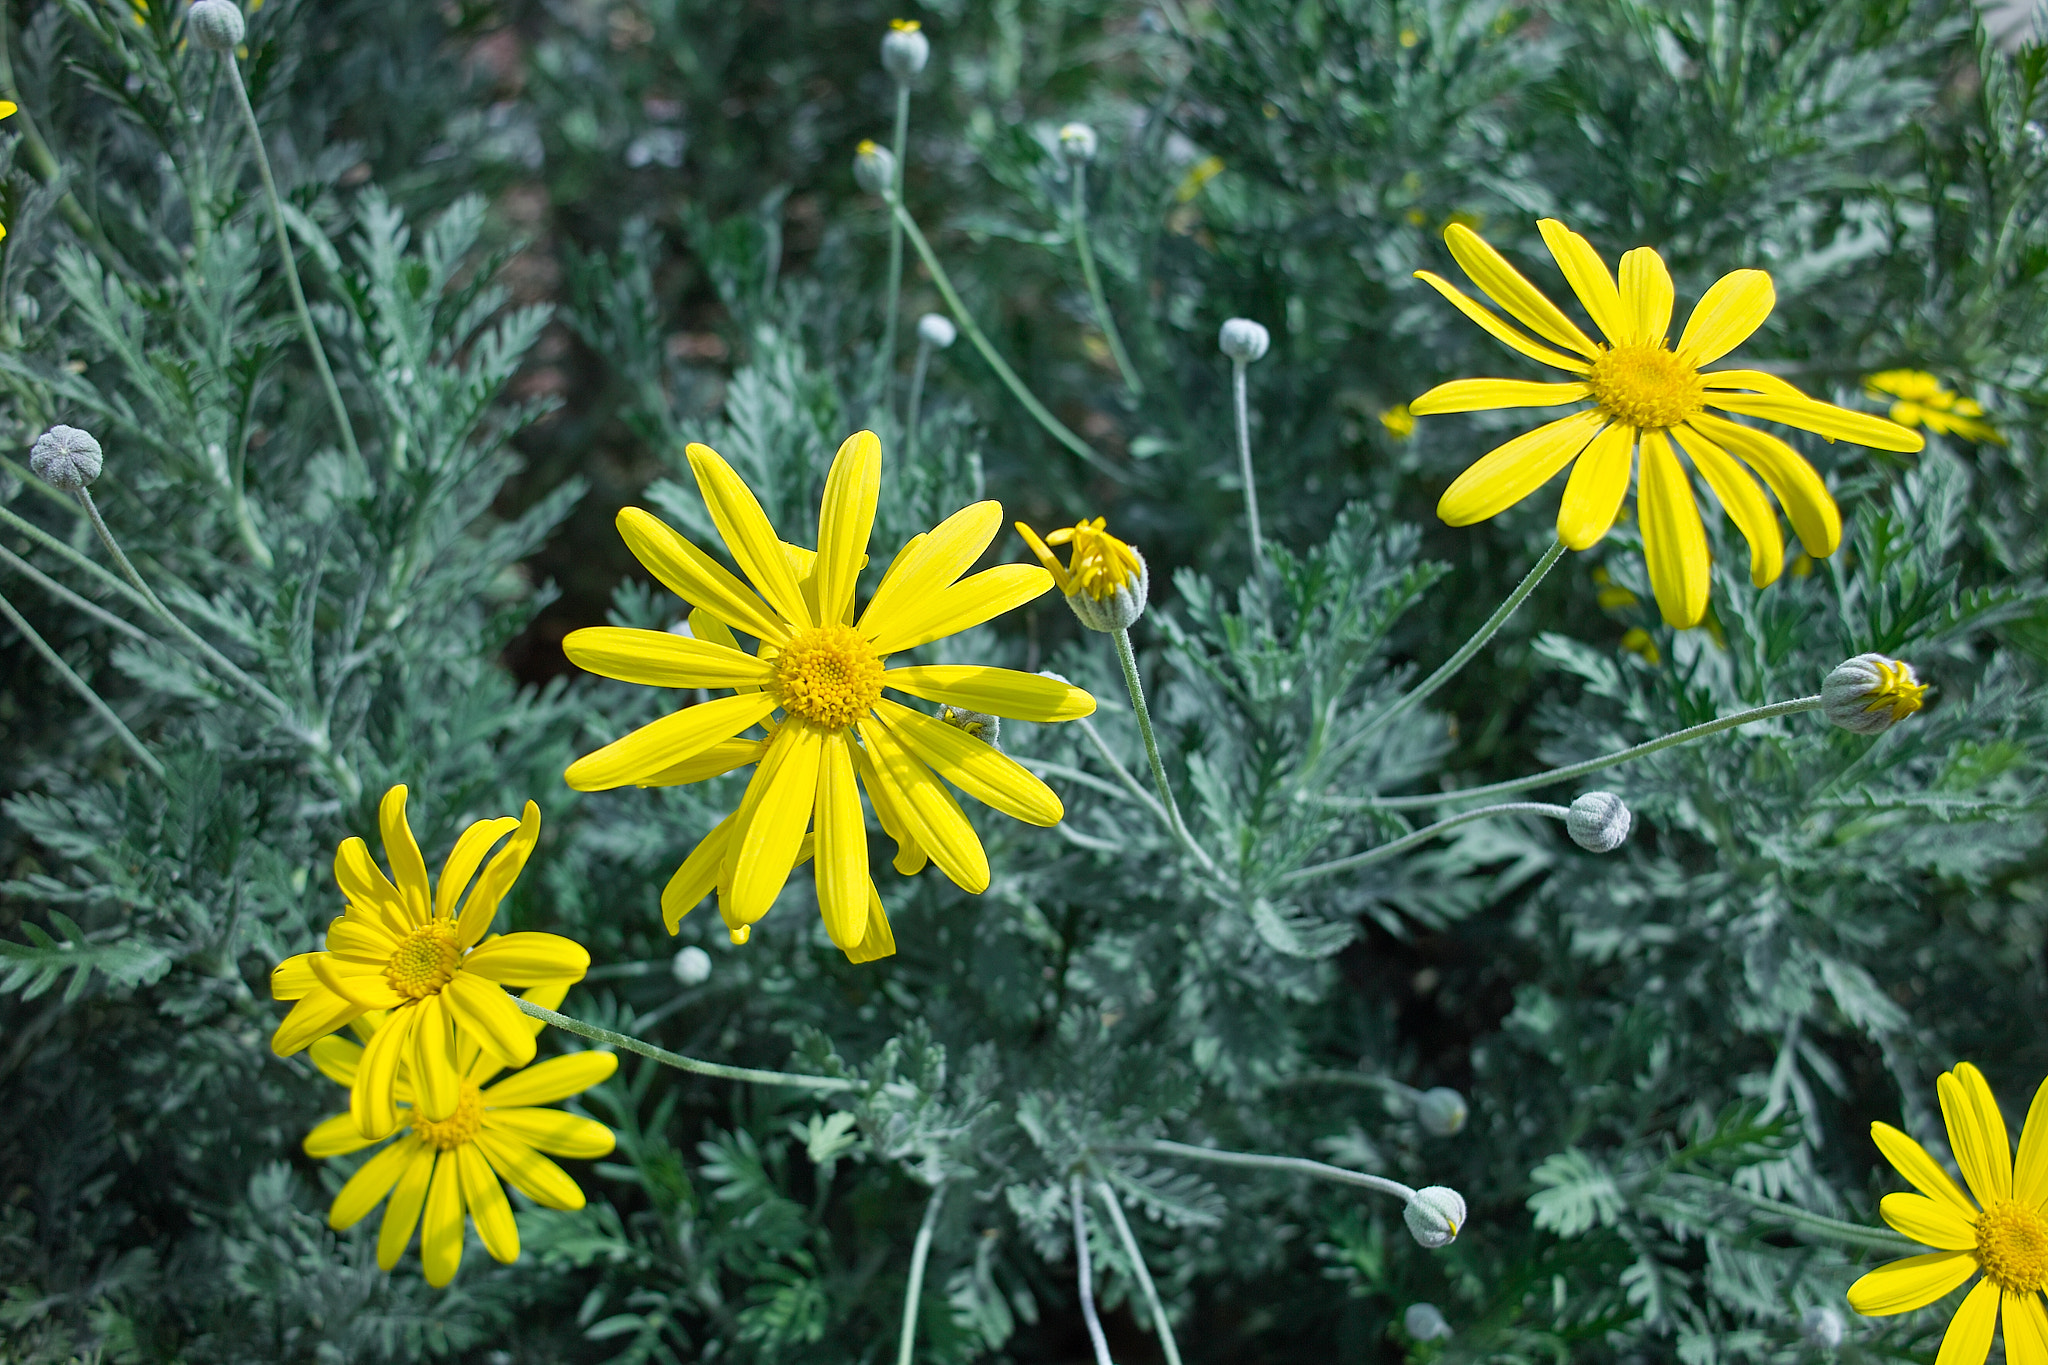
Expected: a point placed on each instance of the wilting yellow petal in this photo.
(1646, 293)
(1912, 1283)
(748, 535)
(1743, 501)
(697, 578)
(1510, 472)
(1505, 285)
(1498, 330)
(1592, 496)
(1731, 310)
(666, 742)
(1976, 1132)
(1484, 395)
(656, 658)
(1791, 479)
(845, 520)
(1588, 276)
(996, 691)
(1824, 419)
(1674, 541)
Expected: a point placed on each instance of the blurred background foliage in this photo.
(551, 241)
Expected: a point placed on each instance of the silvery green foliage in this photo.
(1656, 1048)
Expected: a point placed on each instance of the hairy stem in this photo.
(1244, 459)
(1129, 660)
(1421, 836)
(680, 1062)
(1293, 1165)
(920, 1252)
(1093, 277)
(911, 410)
(1085, 1274)
(83, 689)
(1138, 1267)
(1855, 1234)
(64, 594)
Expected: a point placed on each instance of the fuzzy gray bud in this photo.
(66, 458)
(1425, 1322)
(216, 25)
(1121, 609)
(1078, 142)
(905, 49)
(1435, 1216)
(1244, 340)
(1441, 1111)
(937, 331)
(1871, 693)
(692, 966)
(1599, 822)
(1823, 1326)
(984, 727)
(874, 168)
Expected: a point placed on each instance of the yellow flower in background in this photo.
(1198, 176)
(2000, 1227)
(439, 1170)
(1922, 401)
(1647, 394)
(815, 681)
(1399, 421)
(412, 950)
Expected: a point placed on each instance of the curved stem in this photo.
(1093, 278)
(1591, 765)
(106, 576)
(920, 1252)
(885, 364)
(1242, 403)
(83, 689)
(1293, 1165)
(1137, 1260)
(677, 1060)
(1129, 660)
(1422, 836)
(1085, 1273)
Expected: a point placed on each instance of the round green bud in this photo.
(937, 331)
(66, 458)
(1435, 1216)
(1244, 340)
(216, 25)
(692, 966)
(1078, 142)
(1425, 1322)
(905, 49)
(874, 168)
(1441, 1111)
(1599, 822)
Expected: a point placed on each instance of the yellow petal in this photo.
(355, 981)
(936, 820)
(1510, 472)
(1824, 419)
(765, 843)
(528, 957)
(977, 768)
(292, 978)
(1799, 490)
(463, 862)
(656, 658)
(1484, 395)
(748, 535)
(996, 691)
(486, 1014)
(482, 906)
(555, 1079)
(1733, 307)
(1761, 380)
(1930, 1222)
(366, 886)
(532, 1174)
(697, 578)
(694, 880)
(1674, 541)
(892, 809)
(430, 1061)
(2026, 1330)
(402, 1214)
(842, 845)
(554, 1132)
(441, 1223)
(337, 1136)
(360, 941)
(942, 555)
(1912, 1283)
(402, 851)
(1968, 1340)
(1744, 503)
(716, 761)
(1976, 1132)
(666, 742)
(969, 602)
(318, 1013)
(337, 1059)
(1588, 276)
(845, 520)
(2030, 1173)
(1505, 285)
(877, 942)
(370, 1102)
(1046, 557)
(1592, 496)
(1498, 330)
(1911, 1160)
(1646, 293)
(371, 1182)
(488, 1208)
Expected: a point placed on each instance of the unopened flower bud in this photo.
(1441, 1111)
(1599, 822)
(1822, 1326)
(1106, 582)
(1435, 1216)
(1244, 340)
(1425, 1322)
(216, 25)
(66, 458)
(1077, 142)
(937, 331)
(905, 49)
(874, 168)
(984, 727)
(1871, 693)
(692, 966)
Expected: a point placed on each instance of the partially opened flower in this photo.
(440, 1170)
(2000, 1227)
(1649, 400)
(413, 950)
(815, 683)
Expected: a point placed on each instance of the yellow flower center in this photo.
(828, 676)
(2012, 1246)
(459, 1127)
(423, 961)
(905, 25)
(1646, 387)
(1100, 563)
(1896, 688)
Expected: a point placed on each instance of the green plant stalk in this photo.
(1855, 1234)
(1242, 403)
(676, 1059)
(1129, 660)
(1421, 836)
(1053, 426)
(1085, 1274)
(98, 571)
(911, 410)
(291, 267)
(64, 594)
(83, 689)
(1591, 765)
(1137, 1259)
(920, 1253)
(1293, 1165)
(1093, 277)
(899, 144)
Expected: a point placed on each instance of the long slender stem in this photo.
(911, 410)
(920, 1252)
(886, 363)
(291, 267)
(680, 1062)
(83, 688)
(1137, 1260)
(101, 572)
(1421, 836)
(1129, 660)
(1855, 1234)
(1103, 318)
(1293, 1165)
(64, 594)
(1242, 403)
(1054, 427)
(1085, 1274)
(1591, 765)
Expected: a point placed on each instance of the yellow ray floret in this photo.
(1921, 400)
(1649, 405)
(814, 684)
(1999, 1227)
(414, 951)
(439, 1170)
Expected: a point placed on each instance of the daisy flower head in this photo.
(2000, 1227)
(436, 1171)
(814, 685)
(419, 953)
(1649, 402)
(1918, 399)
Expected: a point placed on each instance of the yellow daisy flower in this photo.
(1646, 395)
(2002, 1230)
(440, 1169)
(1923, 401)
(816, 680)
(401, 948)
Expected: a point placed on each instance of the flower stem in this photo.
(49, 542)
(1855, 1234)
(64, 594)
(1093, 277)
(1294, 1165)
(885, 364)
(1244, 458)
(1129, 660)
(680, 1062)
(1137, 1259)
(83, 688)
(1422, 836)
(920, 1252)
(1085, 1274)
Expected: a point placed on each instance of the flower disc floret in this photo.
(1645, 386)
(424, 961)
(2012, 1246)
(829, 676)
(459, 1127)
